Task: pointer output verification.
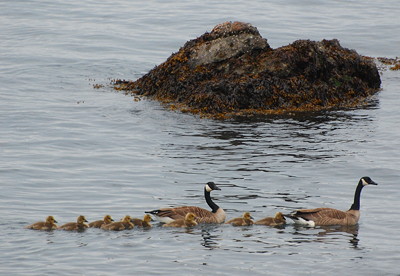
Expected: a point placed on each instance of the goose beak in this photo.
(373, 183)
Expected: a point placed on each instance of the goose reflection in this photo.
(351, 230)
(209, 240)
(327, 234)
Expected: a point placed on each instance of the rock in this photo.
(233, 71)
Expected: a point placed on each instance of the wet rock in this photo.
(232, 71)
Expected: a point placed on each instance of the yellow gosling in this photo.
(145, 222)
(98, 223)
(279, 219)
(188, 221)
(124, 224)
(79, 225)
(48, 225)
(245, 220)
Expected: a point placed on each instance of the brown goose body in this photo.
(245, 220)
(202, 215)
(216, 215)
(188, 221)
(145, 222)
(279, 219)
(79, 225)
(48, 225)
(98, 223)
(124, 224)
(330, 216)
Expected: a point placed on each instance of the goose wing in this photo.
(317, 213)
(323, 216)
(180, 212)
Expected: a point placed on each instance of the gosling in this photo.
(245, 220)
(48, 225)
(124, 224)
(98, 223)
(145, 223)
(188, 221)
(79, 225)
(278, 220)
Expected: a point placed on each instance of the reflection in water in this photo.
(351, 230)
(326, 234)
(209, 240)
(265, 144)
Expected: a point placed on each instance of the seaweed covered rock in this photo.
(233, 70)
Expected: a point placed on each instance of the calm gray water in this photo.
(67, 149)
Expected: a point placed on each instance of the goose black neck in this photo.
(357, 194)
(209, 201)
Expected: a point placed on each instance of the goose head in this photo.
(108, 219)
(366, 180)
(51, 220)
(126, 219)
(211, 186)
(81, 220)
(190, 217)
(279, 216)
(247, 216)
(147, 218)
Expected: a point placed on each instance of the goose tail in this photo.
(300, 220)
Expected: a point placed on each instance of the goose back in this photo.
(202, 215)
(329, 216)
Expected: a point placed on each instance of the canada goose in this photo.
(142, 223)
(124, 224)
(98, 223)
(217, 214)
(245, 220)
(79, 225)
(188, 221)
(279, 219)
(329, 216)
(49, 224)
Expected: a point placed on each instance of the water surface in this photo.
(67, 149)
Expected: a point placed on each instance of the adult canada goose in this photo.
(216, 215)
(279, 219)
(188, 221)
(49, 224)
(79, 225)
(125, 223)
(329, 216)
(245, 220)
(98, 223)
(145, 222)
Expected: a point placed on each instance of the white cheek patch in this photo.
(208, 189)
(365, 183)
